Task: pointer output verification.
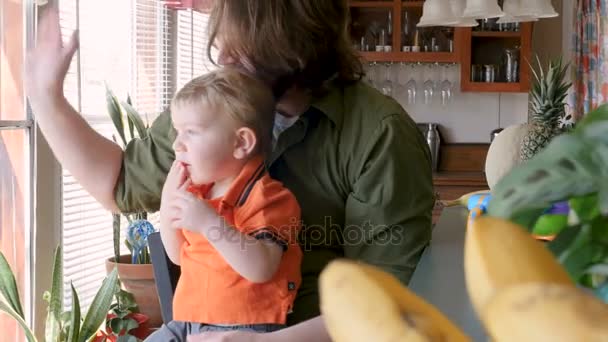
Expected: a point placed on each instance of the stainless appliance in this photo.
(430, 131)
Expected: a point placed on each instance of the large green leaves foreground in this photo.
(60, 326)
(572, 168)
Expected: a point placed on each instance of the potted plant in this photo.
(134, 269)
(61, 326)
(563, 192)
(124, 322)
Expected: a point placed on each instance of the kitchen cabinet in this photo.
(483, 48)
(381, 29)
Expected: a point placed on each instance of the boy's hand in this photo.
(175, 179)
(193, 214)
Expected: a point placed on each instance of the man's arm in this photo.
(392, 200)
(92, 159)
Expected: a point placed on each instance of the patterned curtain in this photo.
(590, 63)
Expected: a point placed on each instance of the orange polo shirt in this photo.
(209, 290)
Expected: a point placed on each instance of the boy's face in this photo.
(205, 143)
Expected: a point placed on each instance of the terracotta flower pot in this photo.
(138, 279)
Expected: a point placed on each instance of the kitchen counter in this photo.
(468, 178)
(439, 277)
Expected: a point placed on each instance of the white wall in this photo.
(472, 116)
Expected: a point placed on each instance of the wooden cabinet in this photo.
(465, 46)
(488, 48)
(398, 19)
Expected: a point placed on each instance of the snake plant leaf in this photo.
(74, 317)
(99, 307)
(6, 306)
(53, 318)
(135, 119)
(8, 287)
(115, 114)
(116, 236)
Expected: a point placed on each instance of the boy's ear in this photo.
(245, 143)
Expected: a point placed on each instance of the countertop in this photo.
(459, 177)
(439, 277)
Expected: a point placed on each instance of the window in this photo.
(147, 52)
(16, 143)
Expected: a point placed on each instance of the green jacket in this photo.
(358, 166)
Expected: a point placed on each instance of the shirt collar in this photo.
(331, 103)
(240, 187)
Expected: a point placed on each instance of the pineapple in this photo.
(547, 108)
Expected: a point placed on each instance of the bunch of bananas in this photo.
(518, 289)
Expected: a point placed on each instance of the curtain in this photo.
(590, 62)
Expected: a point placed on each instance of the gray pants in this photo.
(176, 331)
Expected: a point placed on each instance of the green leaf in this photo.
(577, 257)
(603, 199)
(563, 240)
(565, 168)
(116, 236)
(115, 114)
(127, 300)
(8, 286)
(73, 335)
(127, 338)
(6, 306)
(585, 207)
(99, 307)
(550, 224)
(135, 119)
(53, 318)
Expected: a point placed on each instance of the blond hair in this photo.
(230, 91)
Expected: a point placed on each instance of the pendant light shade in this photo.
(482, 9)
(437, 13)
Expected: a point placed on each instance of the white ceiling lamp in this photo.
(482, 9)
(514, 14)
(437, 13)
(458, 9)
(538, 8)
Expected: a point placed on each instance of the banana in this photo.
(499, 254)
(362, 303)
(465, 200)
(546, 312)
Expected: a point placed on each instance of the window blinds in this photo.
(136, 47)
